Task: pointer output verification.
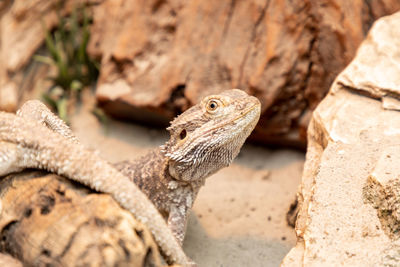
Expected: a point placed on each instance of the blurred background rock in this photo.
(157, 58)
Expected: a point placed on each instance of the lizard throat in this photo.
(212, 150)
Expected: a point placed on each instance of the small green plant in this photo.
(66, 49)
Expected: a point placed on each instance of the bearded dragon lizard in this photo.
(204, 139)
(27, 143)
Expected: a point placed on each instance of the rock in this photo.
(160, 57)
(8, 97)
(21, 35)
(349, 213)
(7, 260)
(383, 190)
(47, 220)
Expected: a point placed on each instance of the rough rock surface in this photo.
(47, 220)
(21, 34)
(350, 193)
(160, 57)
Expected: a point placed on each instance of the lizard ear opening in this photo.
(183, 134)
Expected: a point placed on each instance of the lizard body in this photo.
(203, 139)
(26, 143)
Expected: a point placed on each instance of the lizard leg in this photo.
(9, 158)
(36, 110)
(177, 221)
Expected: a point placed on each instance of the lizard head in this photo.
(209, 135)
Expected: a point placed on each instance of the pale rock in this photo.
(350, 193)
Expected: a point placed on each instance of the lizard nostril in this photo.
(182, 135)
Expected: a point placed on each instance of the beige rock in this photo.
(383, 190)
(349, 212)
(171, 53)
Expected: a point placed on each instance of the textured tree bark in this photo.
(47, 220)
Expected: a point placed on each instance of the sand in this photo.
(239, 217)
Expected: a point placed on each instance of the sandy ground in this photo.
(238, 218)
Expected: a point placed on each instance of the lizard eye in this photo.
(212, 105)
(182, 135)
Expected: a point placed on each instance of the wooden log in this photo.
(47, 220)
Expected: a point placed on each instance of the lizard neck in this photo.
(164, 176)
(172, 176)
(151, 173)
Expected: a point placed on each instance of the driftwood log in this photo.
(48, 220)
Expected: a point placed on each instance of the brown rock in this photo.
(160, 57)
(7, 260)
(21, 34)
(47, 220)
(349, 211)
(8, 97)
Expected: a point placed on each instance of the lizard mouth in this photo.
(243, 114)
(241, 128)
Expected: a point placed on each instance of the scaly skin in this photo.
(203, 140)
(26, 143)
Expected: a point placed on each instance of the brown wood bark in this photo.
(47, 220)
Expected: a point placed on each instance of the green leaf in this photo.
(49, 42)
(66, 47)
(62, 109)
(50, 101)
(102, 117)
(76, 85)
(44, 59)
(74, 28)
